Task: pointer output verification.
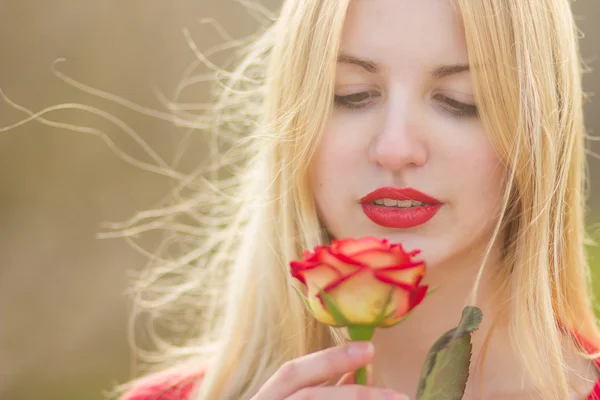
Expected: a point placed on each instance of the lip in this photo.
(388, 192)
(399, 217)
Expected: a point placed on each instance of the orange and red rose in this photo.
(365, 281)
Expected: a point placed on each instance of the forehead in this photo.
(405, 32)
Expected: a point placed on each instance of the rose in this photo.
(365, 282)
(361, 284)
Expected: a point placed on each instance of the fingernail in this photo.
(360, 349)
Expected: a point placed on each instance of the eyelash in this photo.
(455, 107)
(345, 101)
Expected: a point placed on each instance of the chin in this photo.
(430, 252)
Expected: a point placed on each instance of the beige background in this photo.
(62, 304)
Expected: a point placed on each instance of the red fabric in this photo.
(167, 386)
(595, 395)
(590, 347)
(164, 386)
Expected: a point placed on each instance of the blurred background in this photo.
(63, 308)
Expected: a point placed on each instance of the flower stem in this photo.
(361, 333)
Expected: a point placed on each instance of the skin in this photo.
(297, 380)
(413, 129)
(409, 132)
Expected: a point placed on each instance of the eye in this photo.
(356, 100)
(458, 108)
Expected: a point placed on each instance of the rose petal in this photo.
(319, 277)
(402, 275)
(418, 295)
(399, 307)
(351, 246)
(297, 269)
(379, 258)
(319, 311)
(366, 279)
(306, 254)
(344, 265)
(404, 301)
(361, 298)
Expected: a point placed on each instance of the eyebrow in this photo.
(373, 67)
(369, 66)
(447, 70)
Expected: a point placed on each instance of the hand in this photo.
(299, 379)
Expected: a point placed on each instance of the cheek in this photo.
(338, 153)
(471, 173)
(491, 177)
(334, 170)
(481, 182)
(320, 167)
(487, 175)
(323, 170)
(477, 168)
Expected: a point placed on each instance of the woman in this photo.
(469, 109)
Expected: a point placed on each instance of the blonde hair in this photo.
(231, 295)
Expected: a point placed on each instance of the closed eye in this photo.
(457, 108)
(356, 100)
(363, 99)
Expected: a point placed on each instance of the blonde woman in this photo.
(472, 110)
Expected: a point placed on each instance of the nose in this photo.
(398, 143)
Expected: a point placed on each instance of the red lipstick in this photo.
(389, 207)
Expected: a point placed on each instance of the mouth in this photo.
(399, 207)
(392, 203)
(399, 197)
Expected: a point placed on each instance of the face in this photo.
(405, 120)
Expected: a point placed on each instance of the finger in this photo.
(347, 392)
(350, 377)
(346, 379)
(316, 368)
(370, 378)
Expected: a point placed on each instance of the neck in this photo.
(402, 349)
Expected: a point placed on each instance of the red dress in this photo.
(179, 387)
(164, 386)
(591, 348)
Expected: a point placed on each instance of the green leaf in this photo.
(430, 362)
(471, 318)
(448, 377)
(337, 315)
(446, 368)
